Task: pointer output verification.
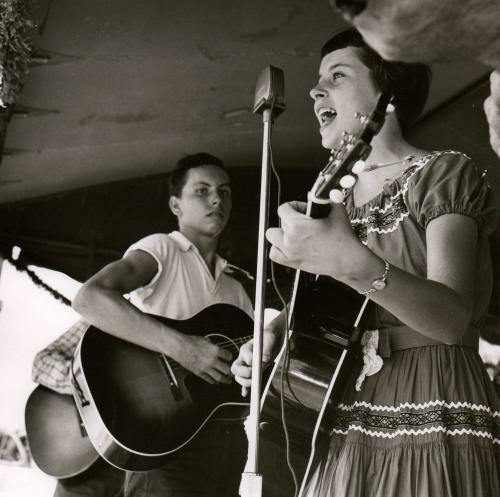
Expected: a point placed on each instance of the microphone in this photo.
(269, 102)
(270, 91)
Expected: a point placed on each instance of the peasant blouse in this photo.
(393, 223)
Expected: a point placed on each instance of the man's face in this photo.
(204, 205)
(427, 30)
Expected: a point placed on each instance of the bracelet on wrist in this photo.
(378, 283)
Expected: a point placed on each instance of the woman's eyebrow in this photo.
(334, 66)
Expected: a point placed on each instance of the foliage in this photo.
(14, 48)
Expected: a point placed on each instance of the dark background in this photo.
(118, 90)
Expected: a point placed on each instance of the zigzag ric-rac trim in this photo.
(424, 431)
(419, 406)
(392, 214)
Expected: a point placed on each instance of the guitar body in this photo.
(321, 351)
(138, 407)
(57, 439)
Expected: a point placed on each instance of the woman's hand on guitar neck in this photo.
(242, 366)
(205, 359)
(325, 246)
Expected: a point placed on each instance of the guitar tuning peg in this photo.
(359, 166)
(336, 196)
(390, 108)
(347, 181)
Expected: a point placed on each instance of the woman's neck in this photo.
(389, 146)
(391, 155)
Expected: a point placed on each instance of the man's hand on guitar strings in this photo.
(325, 246)
(242, 366)
(205, 359)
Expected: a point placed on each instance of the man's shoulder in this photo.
(238, 278)
(156, 241)
(237, 273)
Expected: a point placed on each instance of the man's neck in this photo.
(206, 245)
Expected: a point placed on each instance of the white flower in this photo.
(372, 362)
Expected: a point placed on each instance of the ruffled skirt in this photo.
(427, 424)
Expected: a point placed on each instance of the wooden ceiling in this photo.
(120, 89)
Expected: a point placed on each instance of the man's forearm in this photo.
(111, 312)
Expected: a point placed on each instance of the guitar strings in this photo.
(175, 366)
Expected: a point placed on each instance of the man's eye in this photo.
(201, 191)
(337, 75)
(226, 193)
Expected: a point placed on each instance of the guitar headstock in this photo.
(341, 171)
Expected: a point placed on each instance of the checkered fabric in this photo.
(51, 365)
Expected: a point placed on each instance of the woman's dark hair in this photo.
(407, 83)
(178, 176)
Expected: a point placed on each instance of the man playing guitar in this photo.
(176, 275)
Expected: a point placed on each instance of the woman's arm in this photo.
(438, 306)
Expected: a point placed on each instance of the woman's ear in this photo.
(173, 203)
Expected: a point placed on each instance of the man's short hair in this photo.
(408, 83)
(178, 177)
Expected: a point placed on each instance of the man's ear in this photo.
(173, 203)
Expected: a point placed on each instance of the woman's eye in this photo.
(201, 191)
(226, 193)
(337, 75)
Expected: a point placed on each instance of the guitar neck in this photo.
(316, 211)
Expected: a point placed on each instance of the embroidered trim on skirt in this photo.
(427, 424)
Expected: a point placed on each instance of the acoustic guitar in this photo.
(324, 319)
(57, 438)
(139, 406)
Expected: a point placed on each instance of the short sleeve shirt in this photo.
(393, 224)
(183, 284)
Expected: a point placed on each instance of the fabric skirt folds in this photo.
(427, 424)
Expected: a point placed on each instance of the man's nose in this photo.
(350, 8)
(216, 199)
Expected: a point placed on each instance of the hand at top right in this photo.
(492, 111)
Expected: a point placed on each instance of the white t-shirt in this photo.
(184, 285)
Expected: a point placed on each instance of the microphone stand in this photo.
(251, 481)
